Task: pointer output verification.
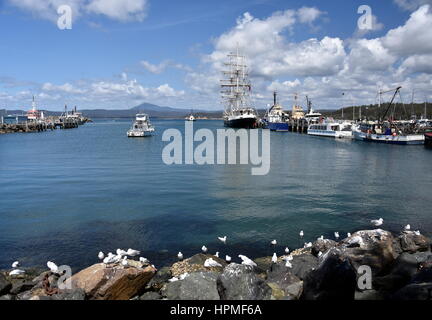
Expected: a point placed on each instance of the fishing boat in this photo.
(141, 127)
(331, 129)
(390, 131)
(312, 116)
(276, 119)
(236, 89)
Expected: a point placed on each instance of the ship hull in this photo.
(389, 139)
(278, 126)
(428, 139)
(241, 123)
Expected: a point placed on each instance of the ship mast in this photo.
(236, 86)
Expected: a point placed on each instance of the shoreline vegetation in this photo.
(367, 265)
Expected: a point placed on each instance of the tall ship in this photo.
(141, 127)
(236, 90)
(276, 118)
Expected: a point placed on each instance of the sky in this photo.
(121, 53)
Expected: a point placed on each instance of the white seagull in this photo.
(287, 250)
(417, 233)
(15, 264)
(336, 234)
(321, 238)
(378, 222)
(223, 239)
(101, 255)
(52, 266)
(217, 254)
(274, 242)
(407, 227)
(349, 235)
(301, 233)
(16, 272)
(132, 252)
(308, 245)
(274, 258)
(109, 259)
(319, 254)
(121, 252)
(204, 249)
(124, 262)
(143, 260)
(246, 261)
(180, 256)
(211, 263)
(227, 258)
(288, 261)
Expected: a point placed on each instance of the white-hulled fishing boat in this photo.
(141, 127)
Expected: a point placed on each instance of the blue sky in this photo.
(169, 52)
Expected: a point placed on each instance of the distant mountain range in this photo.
(152, 110)
(369, 111)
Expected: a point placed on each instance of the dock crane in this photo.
(396, 91)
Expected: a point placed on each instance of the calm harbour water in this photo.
(66, 195)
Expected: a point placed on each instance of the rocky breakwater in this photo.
(367, 265)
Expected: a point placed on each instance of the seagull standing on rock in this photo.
(143, 260)
(217, 254)
(223, 239)
(132, 252)
(16, 272)
(15, 264)
(246, 261)
(336, 234)
(121, 252)
(287, 250)
(227, 258)
(407, 227)
(180, 256)
(204, 249)
(378, 222)
(52, 266)
(209, 263)
(288, 261)
(274, 258)
(349, 235)
(101, 255)
(274, 242)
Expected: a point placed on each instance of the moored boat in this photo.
(276, 119)
(236, 90)
(428, 139)
(331, 129)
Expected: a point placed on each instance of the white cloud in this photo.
(120, 10)
(411, 5)
(414, 37)
(161, 67)
(270, 54)
(67, 88)
(417, 63)
(308, 14)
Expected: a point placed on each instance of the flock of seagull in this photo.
(121, 256)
